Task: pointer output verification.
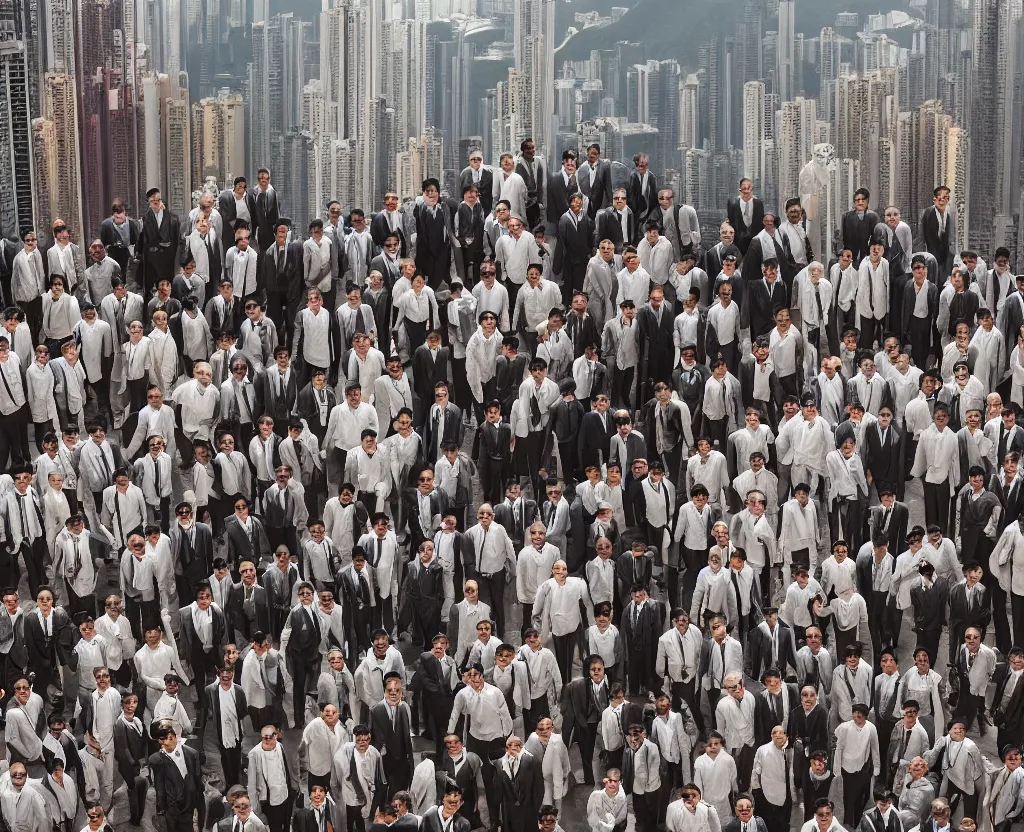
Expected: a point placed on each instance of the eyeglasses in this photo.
(268, 736)
(90, 815)
(241, 506)
(426, 479)
(304, 592)
(21, 687)
(185, 512)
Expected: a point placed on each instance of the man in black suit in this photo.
(481, 175)
(282, 279)
(247, 607)
(657, 347)
(429, 367)
(765, 298)
(303, 651)
(583, 701)
(436, 680)
(491, 452)
(970, 605)
(434, 235)
(596, 433)
(117, 232)
(884, 452)
(1008, 701)
(202, 636)
(446, 817)
(642, 193)
(232, 207)
(191, 545)
(178, 779)
(746, 216)
(443, 424)
(228, 726)
(776, 704)
(277, 395)
(469, 232)
(617, 222)
(516, 513)
(595, 180)
(936, 233)
(130, 746)
(858, 225)
(809, 724)
(640, 627)
(562, 184)
(390, 724)
(770, 645)
(521, 787)
(264, 208)
(157, 247)
(246, 538)
(438, 506)
(890, 518)
(461, 767)
(321, 814)
(574, 248)
(920, 332)
(389, 221)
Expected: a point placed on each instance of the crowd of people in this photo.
(459, 513)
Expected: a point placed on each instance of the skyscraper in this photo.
(786, 54)
(535, 68)
(107, 107)
(65, 188)
(753, 133)
(997, 25)
(689, 112)
(16, 209)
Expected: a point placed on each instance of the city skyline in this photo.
(107, 98)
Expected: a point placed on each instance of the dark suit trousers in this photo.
(776, 818)
(936, 504)
(689, 693)
(398, 773)
(492, 593)
(639, 670)
(231, 763)
(645, 810)
(622, 381)
(34, 554)
(1000, 624)
(856, 793)
(492, 478)
(137, 787)
(586, 736)
(1017, 608)
(277, 816)
(573, 275)
(920, 337)
(354, 819)
(304, 678)
(488, 752)
(564, 647)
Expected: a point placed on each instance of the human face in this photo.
(451, 802)
(744, 809)
(1013, 760)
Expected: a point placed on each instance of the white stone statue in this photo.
(814, 184)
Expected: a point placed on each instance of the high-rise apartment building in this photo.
(16, 207)
(994, 119)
